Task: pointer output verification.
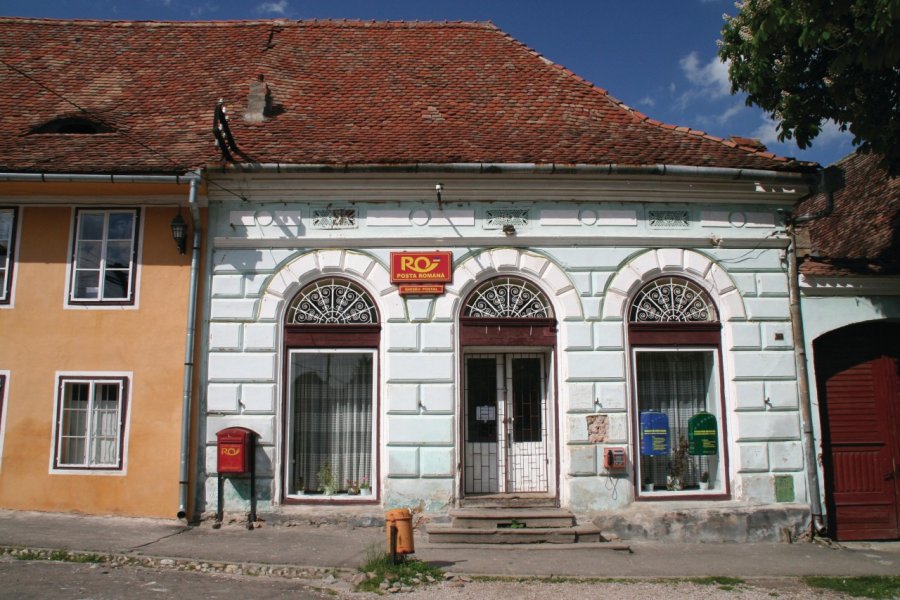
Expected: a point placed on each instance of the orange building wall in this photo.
(40, 337)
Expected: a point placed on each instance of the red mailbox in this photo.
(234, 450)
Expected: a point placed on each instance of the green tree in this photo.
(805, 61)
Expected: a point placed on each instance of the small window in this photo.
(7, 252)
(90, 423)
(104, 256)
(76, 125)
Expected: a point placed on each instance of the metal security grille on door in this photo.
(506, 423)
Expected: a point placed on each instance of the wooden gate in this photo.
(859, 399)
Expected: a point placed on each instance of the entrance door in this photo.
(859, 392)
(507, 440)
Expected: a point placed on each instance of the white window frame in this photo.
(7, 280)
(714, 406)
(124, 380)
(4, 404)
(130, 300)
(289, 426)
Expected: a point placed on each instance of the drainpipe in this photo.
(186, 407)
(828, 182)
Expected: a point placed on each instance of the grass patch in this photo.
(407, 571)
(861, 587)
(28, 555)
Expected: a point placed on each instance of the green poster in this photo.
(703, 435)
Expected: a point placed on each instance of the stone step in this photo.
(505, 518)
(447, 534)
(507, 501)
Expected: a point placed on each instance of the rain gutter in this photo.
(525, 168)
(829, 180)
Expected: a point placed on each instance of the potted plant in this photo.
(704, 480)
(648, 485)
(352, 487)
(364, 487)
(678, 465)
(327, 484)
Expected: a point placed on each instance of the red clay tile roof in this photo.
(342, 92)
(862, 235)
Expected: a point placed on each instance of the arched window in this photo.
(672, 299)
(508, 298)
(332, 301)
(674, 334)
(332, 334)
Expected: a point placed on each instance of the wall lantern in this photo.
(179, 232)
(509, 230)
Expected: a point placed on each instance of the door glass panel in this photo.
(527, 395)
(481, 393)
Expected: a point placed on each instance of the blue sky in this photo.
(658, 56)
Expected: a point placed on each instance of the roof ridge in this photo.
(641, 117)
(253, 22)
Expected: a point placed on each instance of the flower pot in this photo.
(704, 485)
(648, 487)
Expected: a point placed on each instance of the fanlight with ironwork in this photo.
(332, 301)
(672, 299)
(509, 298)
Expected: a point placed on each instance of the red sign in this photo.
(421, 267)
(407, 289)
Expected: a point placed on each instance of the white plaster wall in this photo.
(588, 286)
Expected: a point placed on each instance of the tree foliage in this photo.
(805, 61)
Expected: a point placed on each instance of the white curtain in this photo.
(332, 418)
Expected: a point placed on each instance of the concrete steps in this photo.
(512, 526)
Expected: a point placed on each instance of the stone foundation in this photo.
(692, 523)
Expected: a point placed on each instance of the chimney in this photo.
(258, 101)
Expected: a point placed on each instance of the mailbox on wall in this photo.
(234, 450)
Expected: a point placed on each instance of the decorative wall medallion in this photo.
(737, 219)
(264, 218)
(420, 217)
(334, 218)
(587, 217)
(668, 219)
(497, 218)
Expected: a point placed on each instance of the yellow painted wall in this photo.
(39, 337)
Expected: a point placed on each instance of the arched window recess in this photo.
(673, 310)
(507, 311)
(334, 311)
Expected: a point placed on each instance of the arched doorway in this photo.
(859, 401)
(508, 338)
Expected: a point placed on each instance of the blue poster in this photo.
(654, 434)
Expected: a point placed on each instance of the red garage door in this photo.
(859, 398)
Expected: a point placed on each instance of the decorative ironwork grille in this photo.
(332, 300)
(336, 218)
(669, 219)
(508, 297)
(495, 218)
(672, 299)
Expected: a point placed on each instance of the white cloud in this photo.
(202, 9)
(830, 145)
(276, 8)
(711, 78)
(646, 101)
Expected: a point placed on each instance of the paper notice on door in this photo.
(486, 413)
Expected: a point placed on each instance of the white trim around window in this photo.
(679, 390)
(91, 423)
(4, 407)
(104, 258)
(10, 223)
(338, 435)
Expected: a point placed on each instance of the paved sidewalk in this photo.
(333, 546)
